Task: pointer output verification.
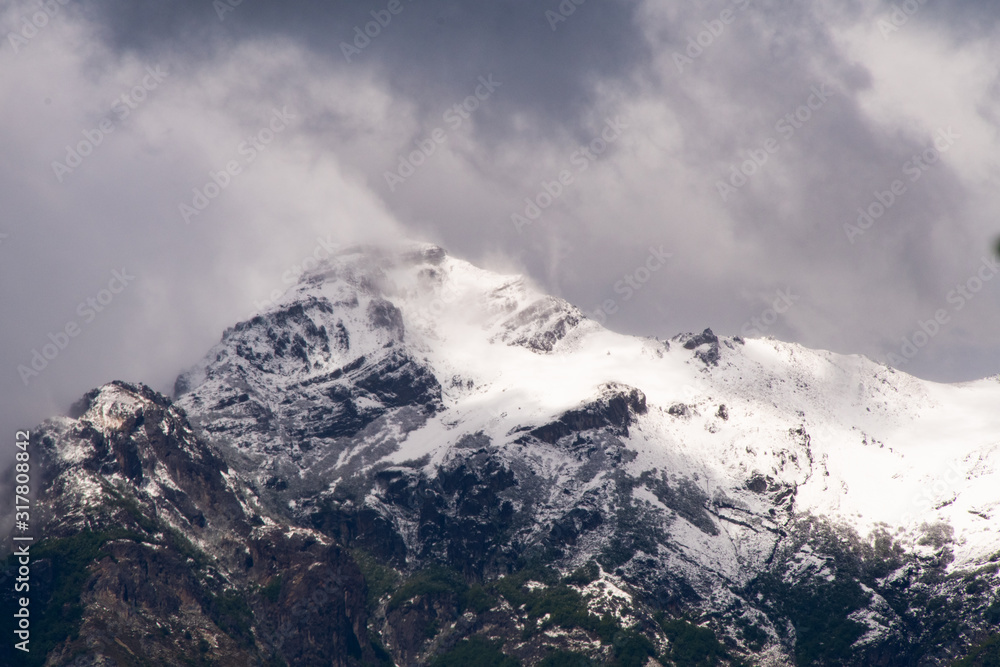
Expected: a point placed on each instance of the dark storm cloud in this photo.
(963, 19)
(654, 188)
(430, 51)
(561, 79)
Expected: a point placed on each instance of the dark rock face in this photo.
(615, 410)
(141, 603)
(705, 345)
(461, 516)
(758, 484)
(363, 528)
(282, 337)
(312, 380)
(343, 403)
(315, 606)
(413, 561)
(408, 627)
(679, 410)
(685, 498)
(573, 524)
(541, 325)
(383, 315)
(119, 479)
(292, 521)
(397, 381)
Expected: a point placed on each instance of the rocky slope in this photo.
(408, 460)
(155, 554)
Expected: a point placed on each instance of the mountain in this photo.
(409, 460)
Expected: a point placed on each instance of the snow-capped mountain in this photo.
(503, 469)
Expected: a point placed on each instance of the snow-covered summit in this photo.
(381, 356)
(810, 507)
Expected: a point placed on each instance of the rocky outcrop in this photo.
(410, 461)
(705, 346)
(153, 553)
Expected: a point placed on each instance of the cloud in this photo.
(125, 168)
(695, 91)
(429, 51)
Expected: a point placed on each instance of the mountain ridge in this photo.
(537, 481)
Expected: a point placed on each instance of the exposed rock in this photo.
(705, 346)
(407, 458)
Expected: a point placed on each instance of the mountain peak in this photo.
(453, 425)
(365, 265)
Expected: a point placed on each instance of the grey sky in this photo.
(676, 121)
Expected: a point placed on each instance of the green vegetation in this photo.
(381, 654)
(231, 613)
(753, 635)
(437, 581)
(585, 574)
(478, 599)
(131, 507)
(819, 607)
(986, 654)
(380, 579)
(539, 572)
(992, 613)
(820, 616)
(114, 498)
(443, 584)
(636, 527)
(475, 652)
(692, 645)
(272, 591)
(183, 546)
(562, 605)
(631, 649)
(61, 611)
(556, 601)
(566, 606)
